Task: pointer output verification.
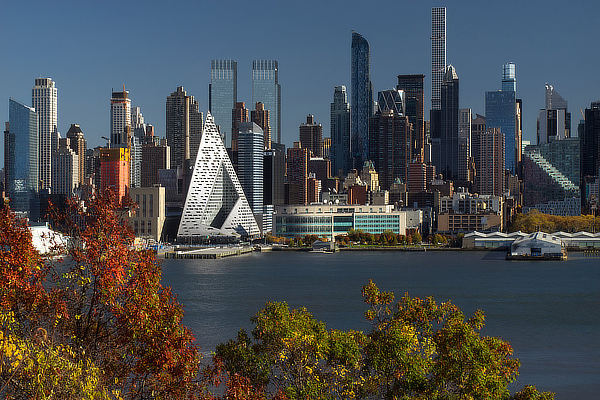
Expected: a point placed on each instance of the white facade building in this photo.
(65, 169)
(44, 98)
(215, 202)
(120, 119)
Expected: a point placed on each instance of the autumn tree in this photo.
(415, 349)
(103, 306)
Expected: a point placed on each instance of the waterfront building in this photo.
(311, 136)
(120, 119)
(21, 158)
(154, 158)
(341, 155)
(361, 98)
(267, 90)
(337, 219)
(590, 157)
(488, 154)
(239, 115)
(215, 203)
(445, 153)
(554, 121)
(65, 169)
(78, 144)
(44, 99)
(222, 95)
(501, 112)
(148, 219)
(261, 117)
(495, 240)
(114, 170)
(464, 212)
(183, 126)
(297, 175)
(250, 166)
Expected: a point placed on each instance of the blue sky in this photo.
(88, 48)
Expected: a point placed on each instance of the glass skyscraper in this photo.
(501, 112)
(448, 161)
(361, 98)
(266, 89)
(222, 95)
(341, 159)
(22, 158)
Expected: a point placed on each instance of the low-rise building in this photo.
(149, 218)
(538, 245)
(500, 240)
(463, 223)
(464, 212)
(333, 219)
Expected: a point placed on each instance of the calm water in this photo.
(549, 311)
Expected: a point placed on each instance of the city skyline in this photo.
(306, 86)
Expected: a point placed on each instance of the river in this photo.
(549, 311)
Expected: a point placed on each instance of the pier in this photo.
(209, 252)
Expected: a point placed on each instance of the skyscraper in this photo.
(273, 175)
(44, 99)
(412, 86)
(311, 136)
(114, 170)
(361, 98)
(239, 115)
(501, 112)
(251, 147)
(183, 126)
(155, 156)
(297, 175)
(341, 156)
(222, 95)
(488, 153)
(438, 54)
(448, 147)
(267, 90)
(21, 158)
(78, 145)
(464, 145)
(390, 138)
(261, 117)
(120, 119)
(215, 203)
(554, 121)
(590, 156)
(65, 169)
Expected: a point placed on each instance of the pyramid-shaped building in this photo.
(215, 202)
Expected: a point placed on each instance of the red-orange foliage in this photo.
(104, 299)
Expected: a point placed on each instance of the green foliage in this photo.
(32, 366)
(534, 221)
(416, 349)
